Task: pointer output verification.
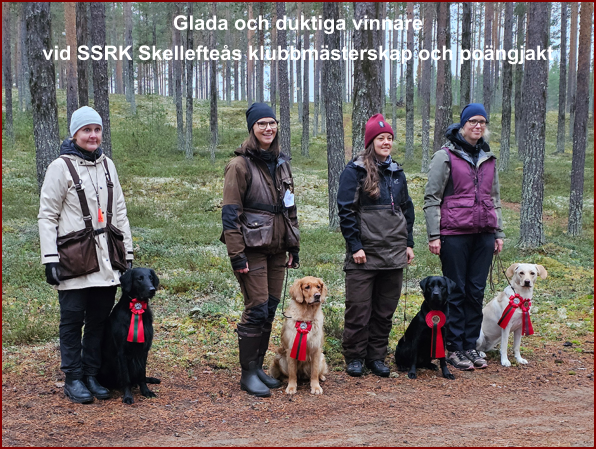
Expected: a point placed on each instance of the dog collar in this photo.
(517, 302)
(299, 346)
(435, 319)
(136, 332)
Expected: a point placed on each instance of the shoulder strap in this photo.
(80, 192)
(110, 190)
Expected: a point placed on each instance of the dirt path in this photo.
(547, 403)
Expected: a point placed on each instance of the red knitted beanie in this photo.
(375, 126)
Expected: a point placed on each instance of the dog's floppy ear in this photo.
(450, 285)
(154, 279)
(296, 291)
(323, 290)
(511, 270)
(423, 283)
(541, 271)
(126, 282)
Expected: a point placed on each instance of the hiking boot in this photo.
(474, 357)
(354, 368)
(76, 391)
(459, 360)
(378, 368)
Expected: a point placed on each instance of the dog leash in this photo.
(283, 298)
(497, 261)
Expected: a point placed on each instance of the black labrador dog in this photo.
(421, 343)
(128, 336)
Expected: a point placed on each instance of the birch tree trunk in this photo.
(42, 84)
(507, 84)
(334, 117)
(576, 198)
(534, 117)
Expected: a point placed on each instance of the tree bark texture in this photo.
(306, 99)
(425, 89)
(101, 99)
(466, 67)
(562, 81)
(42, 84)
(70, 21)
(24, 58)
(582, 104)
(7, 70)
(486, 72)
(534, 117)
(443, 109)
(189, 82)
(410, 87)
(334, 117)
(571, 83)
(507, 85)
(177, 41)
(519, 76)
(284, 89)
(129, 87)
(213, 93)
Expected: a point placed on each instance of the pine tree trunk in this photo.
(571, 84)
(130, 75)
(284, 89)
(507, 84)
(466, 67)
(332, 82)
(534, 99)
(392, 78)
(306, 99)
(410, 87)
(189, 81)
(101, 100)
(273, 66)
(425, 88)
(177, 41)
(562, 81)
(250, 64)
(317, 82)
(519, 76)
(299, 66)
(7, 71)
(576, 198)
(368, 94)
(70, 22)
(261, 64)
(24, 57)
(42, 79)
(154, 36)
(443, 109)
(486, 72)
(213, 92)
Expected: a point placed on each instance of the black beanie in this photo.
(258, 111)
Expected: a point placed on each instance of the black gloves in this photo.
(53, 273)
(295, 258)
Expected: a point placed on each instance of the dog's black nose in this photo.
(527, 283)
(317, 296)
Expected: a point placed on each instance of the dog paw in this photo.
(322, 378)
(522, 361)
(448, 376)
(505, 362)
(291, 389)
(316, 390)
(148, 394)
(412, 375)
(128, 400)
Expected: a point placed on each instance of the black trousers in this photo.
(466, 261)
(88, 307)
(371, 299)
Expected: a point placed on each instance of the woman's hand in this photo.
(244, 270)
(410, 254)
(435, 246)
(359, 256)
(498, 245)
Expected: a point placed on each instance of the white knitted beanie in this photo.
(84, 116)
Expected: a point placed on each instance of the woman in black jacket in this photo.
(376, 218)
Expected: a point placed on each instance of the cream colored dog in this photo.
(523, 276)
(307, 295)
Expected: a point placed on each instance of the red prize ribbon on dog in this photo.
(299, 346)
(136, 333)
(516, 301)
(435, 319)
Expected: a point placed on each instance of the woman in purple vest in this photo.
(462, 207)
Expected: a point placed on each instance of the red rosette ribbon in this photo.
(435, 319)
(516, 301)
(136, 333)
(299, 346)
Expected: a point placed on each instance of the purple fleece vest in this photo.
(469, 209)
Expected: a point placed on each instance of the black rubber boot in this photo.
(76, 391)
(271, 382)
(249, 340)
(95, 388)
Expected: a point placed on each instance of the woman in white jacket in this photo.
(86, 283)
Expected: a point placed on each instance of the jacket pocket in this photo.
(489, 215)
(458, 214)
(116, 248)
(257, 228)
(78, 256)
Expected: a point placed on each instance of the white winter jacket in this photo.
(60, 213)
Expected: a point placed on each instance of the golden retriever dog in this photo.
(523, 277)
(304, 313)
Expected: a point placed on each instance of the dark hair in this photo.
(252, 143)
(371, 181)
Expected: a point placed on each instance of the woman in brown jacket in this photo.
(259, 228)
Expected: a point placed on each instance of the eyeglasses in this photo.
(263, 125)
(482, 123)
